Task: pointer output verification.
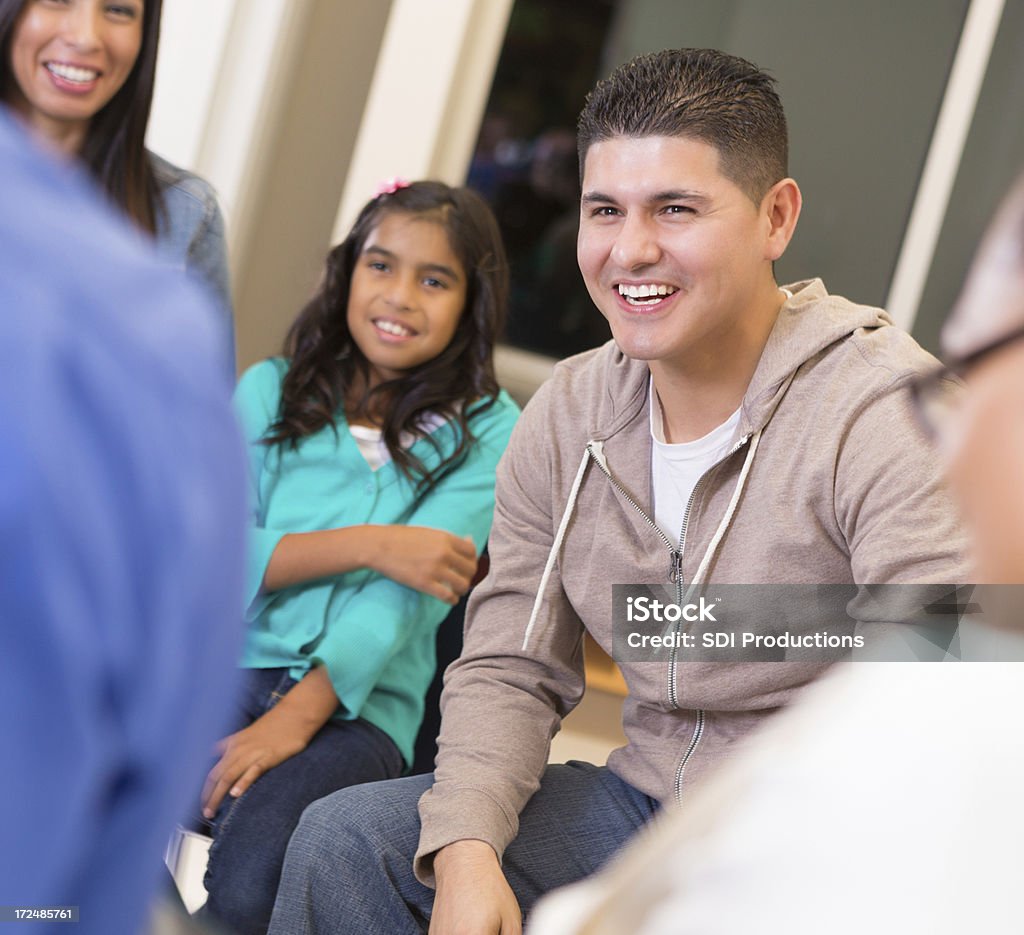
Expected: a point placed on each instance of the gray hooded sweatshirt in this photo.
(829, 481)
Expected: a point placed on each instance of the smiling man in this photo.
(733, 432)
(798, 812)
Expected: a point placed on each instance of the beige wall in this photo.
(282, 103)
(430, 86)
(279, 256)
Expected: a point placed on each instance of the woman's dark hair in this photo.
(326, 365)
(114, 148)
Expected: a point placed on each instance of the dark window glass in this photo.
(525, 164)
(862, 85)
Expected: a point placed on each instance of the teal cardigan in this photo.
(374, 636)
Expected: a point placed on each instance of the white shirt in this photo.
(371, 445)
(888, 798)
(675, 469)
(371, 441)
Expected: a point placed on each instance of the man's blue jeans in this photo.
(250, 833)
(349, 864)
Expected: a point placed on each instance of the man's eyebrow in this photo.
(679, 194)
(674, 194)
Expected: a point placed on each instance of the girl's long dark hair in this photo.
(114, 150)
(326, 365)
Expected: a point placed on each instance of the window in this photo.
(862, 84)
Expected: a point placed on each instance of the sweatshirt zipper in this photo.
(698, 732)
(676, 577)
(675, 569)
(673, 688)
(673, 696)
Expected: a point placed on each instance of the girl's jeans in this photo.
(250, 833)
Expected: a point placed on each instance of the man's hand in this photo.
(433, 561)
(473, 897)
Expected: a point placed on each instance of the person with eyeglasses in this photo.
(888, 798)
(982, 433)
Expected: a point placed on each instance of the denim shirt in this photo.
(190, 235)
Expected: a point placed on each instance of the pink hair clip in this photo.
(390, 186)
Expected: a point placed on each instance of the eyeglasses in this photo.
(936, 401)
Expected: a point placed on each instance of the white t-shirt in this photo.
(371, 440)
(371, 445)
(675, 469)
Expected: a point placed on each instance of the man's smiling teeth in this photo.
(71, 73)
(651, 293)
(393, 327)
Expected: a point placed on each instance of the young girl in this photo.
(373, 448)
(79, 74)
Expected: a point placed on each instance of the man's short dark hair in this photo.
(701, 94)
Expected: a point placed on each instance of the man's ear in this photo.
(780, 209)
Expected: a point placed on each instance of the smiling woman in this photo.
(80, 74)
(68, 60)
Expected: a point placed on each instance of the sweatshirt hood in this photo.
(808, 324)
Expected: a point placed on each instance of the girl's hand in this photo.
(248, 754)
(285, 730)
(433, 561)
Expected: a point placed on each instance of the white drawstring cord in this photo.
(709, 553)
(556, 545)
(726, 520)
